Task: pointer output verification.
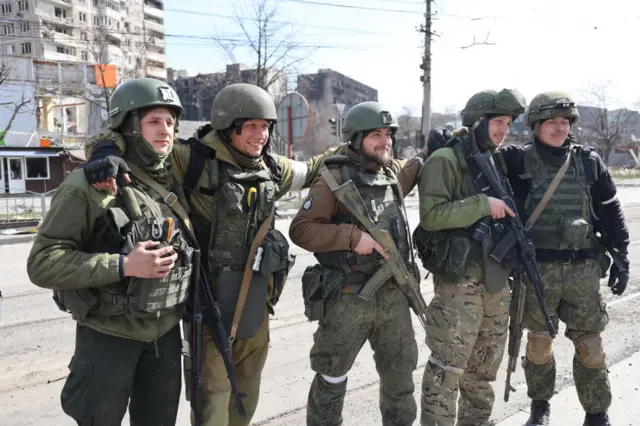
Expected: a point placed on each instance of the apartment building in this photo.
(126, 33)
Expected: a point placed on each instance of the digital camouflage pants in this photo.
(573, 296)
(109, 374)
(467, 333)
(385, 321)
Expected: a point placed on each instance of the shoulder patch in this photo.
(307, 204)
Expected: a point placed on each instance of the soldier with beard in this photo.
(348, 259)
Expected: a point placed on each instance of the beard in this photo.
(379, 158)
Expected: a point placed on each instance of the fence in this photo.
(27, 207)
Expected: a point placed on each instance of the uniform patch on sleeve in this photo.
(434, 176)
(307, 204)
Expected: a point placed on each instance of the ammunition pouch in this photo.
(320, 285)
(76, 302)
(505, 250)
(573, 233)
(277, 262)
(443, 253)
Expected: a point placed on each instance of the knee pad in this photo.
(334, 380)
(589, 350)
(539, 348)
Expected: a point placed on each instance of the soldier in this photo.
(567, 196)
(124, 283)
(468, 315)
(232, 183)
(349, 257)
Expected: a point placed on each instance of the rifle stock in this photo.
(348, 195)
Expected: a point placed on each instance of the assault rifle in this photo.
(204, 305)
(394, 266)
(487, 180)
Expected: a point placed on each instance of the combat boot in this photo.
(540, 413)
(598, 419)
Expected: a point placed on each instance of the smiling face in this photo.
(158, 127)
(554, 131)
(499, 128)
(376, 146)
(253, 136)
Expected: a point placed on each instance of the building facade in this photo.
(128, 34)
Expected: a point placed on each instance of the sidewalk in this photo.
(625, 408)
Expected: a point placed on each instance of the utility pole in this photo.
(426, 77)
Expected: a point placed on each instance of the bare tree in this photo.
(409, 129)
(479, 43)
(270, 42)
(605, 126)
(14, 106)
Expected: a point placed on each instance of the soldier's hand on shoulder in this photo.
(145, 261)
(101, 173)
(499, 209)
(367, 245)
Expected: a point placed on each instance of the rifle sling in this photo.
(248, 273)
(548, 193)
(169, 198)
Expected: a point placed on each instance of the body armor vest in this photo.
(243, 201)
(565, 223)
(141, 215)
(381, 196)
(449, 253)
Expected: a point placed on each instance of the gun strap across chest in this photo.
(548, 193)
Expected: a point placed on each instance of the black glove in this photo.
(618, 278)
(438, 136)
(104, 162)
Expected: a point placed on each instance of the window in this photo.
(83, 36)
(82, 16)
(23, 5)
(60, 49)
(84, 56)
(5, 8)
(59, 12)
(26, 48)
(24, 27)
(8, 29)
(10, 49)
(37, 168)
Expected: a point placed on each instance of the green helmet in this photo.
(366, 116)
(505, 102)
(241, 100)
(548, 105)
(140, 93)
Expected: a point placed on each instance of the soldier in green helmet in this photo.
(231, 182)
(570, 222)
(122, 272)
(468, 315)
(349, 261)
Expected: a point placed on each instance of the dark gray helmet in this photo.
(241, 101)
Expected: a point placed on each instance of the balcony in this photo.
(155, 56)
(50, 55)
(156, 72)
(153, 26)
(153, 12)
(109, 12)
(157, 42)
(68, 21)
(63, 3)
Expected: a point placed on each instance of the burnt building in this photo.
(329, 87)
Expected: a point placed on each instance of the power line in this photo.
(346, 6)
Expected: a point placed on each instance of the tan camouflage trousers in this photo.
(467, 336)
(573, 296)
(349, 322)
(249, 357)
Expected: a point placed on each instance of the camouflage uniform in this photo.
(468, 315)
(571, 258)
(128, 341)
(324, 226)
(216, 198)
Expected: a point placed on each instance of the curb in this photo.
(17, 239)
